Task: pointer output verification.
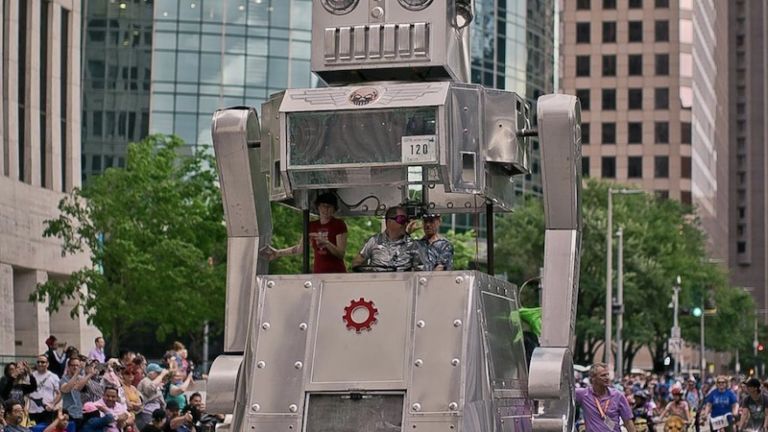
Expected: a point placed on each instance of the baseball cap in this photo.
(154, 367)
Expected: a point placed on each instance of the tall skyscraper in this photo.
(166, 66)
(39, 162)
(631, 65)
(746, 37)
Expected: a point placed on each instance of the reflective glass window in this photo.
(166, 9)
(609, 133)
(608, 168)
(212, 11)
(609, 99)
(661, 31)
(583, 4)
(234, 70)
(164, 66)
(165, 40)
(583, 32)
(185, 126)
(661, 98)
(210, 68)
(662, 64)
(278, 72)
(661, 132)
(635, 29)
(189, 10)
(210, 43)
(635, 167)
(582, 65)
(609, 65)
(635, 64)
(685, 132)
(661, 166)
(635, 132)
(162, 102)
(236, 11)
(186, 103)
(609, 31)
(235, 45)
(583, 95)
(635, 98)
(685, 167)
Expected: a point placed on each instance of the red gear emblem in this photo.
(358, 304)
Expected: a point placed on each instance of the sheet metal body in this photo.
(387, 351)
(445, 345)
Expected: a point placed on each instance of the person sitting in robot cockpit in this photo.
(393, 249)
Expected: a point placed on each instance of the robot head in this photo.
(383, 40)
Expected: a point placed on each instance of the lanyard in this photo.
(601, 408)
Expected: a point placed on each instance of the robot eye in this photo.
(339, 7)
(415, 4)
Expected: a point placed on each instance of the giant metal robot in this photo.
(398, 123)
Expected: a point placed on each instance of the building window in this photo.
(635, 98)
(662, 3)
(609, 4)
(635, 31)
(585, 166)
(609, 31)
(685, 167)
(635, 132)
(661, 98)
(686, 198)
(662, 194)
(661, 166)
(609, 65)
(661, 132)
(609, 133)
(662, 31)
(685, 132)
(583, 95)
(582, 32)
(583, 4)
(608, 169)
(635, 167)
(582, 65)
(635, 4)
(662, 64)
(635, 64)
(585, 133)
(609, 99)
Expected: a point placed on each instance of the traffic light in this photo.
(696, 312)
(760, 347)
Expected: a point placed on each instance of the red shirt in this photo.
(325, 261)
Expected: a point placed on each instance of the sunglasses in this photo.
(722, 382)
(400, 219)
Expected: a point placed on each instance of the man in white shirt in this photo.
(97, 353)
(43, 400)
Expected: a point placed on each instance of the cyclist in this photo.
(721, 405)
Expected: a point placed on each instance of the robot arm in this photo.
(551, 371)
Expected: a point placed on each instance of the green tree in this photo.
(157, 241)
(661, 241)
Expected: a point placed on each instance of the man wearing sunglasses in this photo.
(43, 400)
(391, 250)
(439, 250)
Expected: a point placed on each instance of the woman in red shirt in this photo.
(327, 235)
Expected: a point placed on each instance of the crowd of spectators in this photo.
(67, 390)
(741, 401)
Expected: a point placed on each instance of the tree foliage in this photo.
(157, 242)
(661, 241)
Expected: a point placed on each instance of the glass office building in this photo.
(209, 54)
(167, 65)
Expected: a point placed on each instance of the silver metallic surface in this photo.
(551, 370)
(221, 383)
(236, 138)
(383, 40)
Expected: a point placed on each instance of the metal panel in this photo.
(404, 40)
(502, 120)
(329, 44)
(374, 41)
(420, 39)
(345, 43)
(222, 380)
(349, 359)
(561, 278)
(389, 40)
(559, 123)
(242, 253)
(277, 383)
(439, 330)
(359, 42)
(255, 423)
(466, 136)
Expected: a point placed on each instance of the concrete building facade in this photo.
(39, 163)
(631, 65)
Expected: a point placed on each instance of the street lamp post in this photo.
(620, 302)
(676, 327)
(609, 270)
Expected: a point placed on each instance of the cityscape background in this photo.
(673, 95)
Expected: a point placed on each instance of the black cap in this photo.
(172, 405)
(753, 382)
(429, 215)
